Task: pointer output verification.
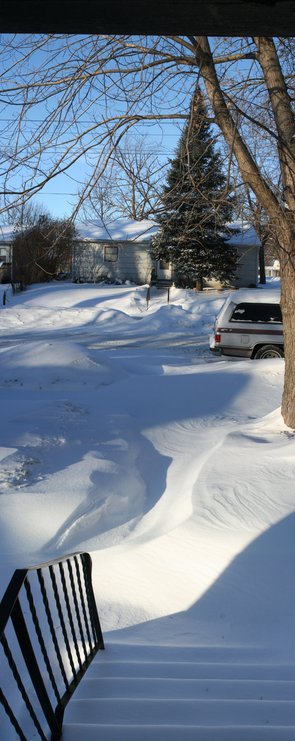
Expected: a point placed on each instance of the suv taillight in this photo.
(217, 338)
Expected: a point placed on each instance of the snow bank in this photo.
(122, 435)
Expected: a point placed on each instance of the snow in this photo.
(6, 233)
(256, 295)
(117, 229)
(243, 234)
(122, 435)
(96, 229)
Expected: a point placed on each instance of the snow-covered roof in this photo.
(6, 233)
(117, 230)
(122, 230)
(243, 234)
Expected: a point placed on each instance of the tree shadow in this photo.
(107, 427)
(96, 300)
(251, 604)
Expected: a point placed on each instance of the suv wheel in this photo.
(269, 351)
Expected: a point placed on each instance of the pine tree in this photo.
(196, 207)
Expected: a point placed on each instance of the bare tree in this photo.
(249, 210)
(102, 202)
(25, 214)
(280, 210)
(130, 185)
(78, 97)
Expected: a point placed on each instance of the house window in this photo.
(110, 253)
(164, 265)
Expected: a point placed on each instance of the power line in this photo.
(88, 123)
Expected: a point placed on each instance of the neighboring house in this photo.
(121, 250)
(6, 236)
(274, 270)
(13, 261)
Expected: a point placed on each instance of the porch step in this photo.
(157, 732)
(127, 696)
(192, 689)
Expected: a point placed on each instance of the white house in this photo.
(121, 250)
(6, 236)
(274, 270)
(247, 244)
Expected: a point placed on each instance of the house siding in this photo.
(247, 266)
(134, 262)
(246, 271)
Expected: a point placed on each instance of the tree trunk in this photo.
(199, 284)
(288, 311)
(262, 280)
(283, 114)
(282, 216)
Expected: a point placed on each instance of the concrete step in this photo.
(151, 693)
(175, 733)
(191, 689)
(201, 712)
(107, 667)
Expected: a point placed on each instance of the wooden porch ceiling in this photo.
(210, 17)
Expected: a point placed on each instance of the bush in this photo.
(43, 251)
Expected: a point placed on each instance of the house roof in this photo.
(119, 230)
(6, 234)
(243, 234)
(122, 230)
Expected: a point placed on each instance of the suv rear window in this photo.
(256, 313)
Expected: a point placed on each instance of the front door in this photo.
(164, 270)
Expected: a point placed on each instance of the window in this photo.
(110, 253)
(4, 257)
(164, 265)
(256, 313)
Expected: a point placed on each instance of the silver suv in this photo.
(249, 325)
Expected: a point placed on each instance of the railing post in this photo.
(11, 716)
(87, 565)
(52, 615)
(27, 650)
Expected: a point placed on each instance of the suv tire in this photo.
(268, 351)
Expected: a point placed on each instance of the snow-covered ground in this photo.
(122, 435)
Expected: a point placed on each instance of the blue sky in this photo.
(74, 102)
(77, 121)
(59, 196)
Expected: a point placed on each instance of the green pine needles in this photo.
(196, 207)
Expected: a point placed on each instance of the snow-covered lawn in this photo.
(122, 435)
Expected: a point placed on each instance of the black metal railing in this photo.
(49, 634)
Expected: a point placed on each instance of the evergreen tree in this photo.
(196, 207)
